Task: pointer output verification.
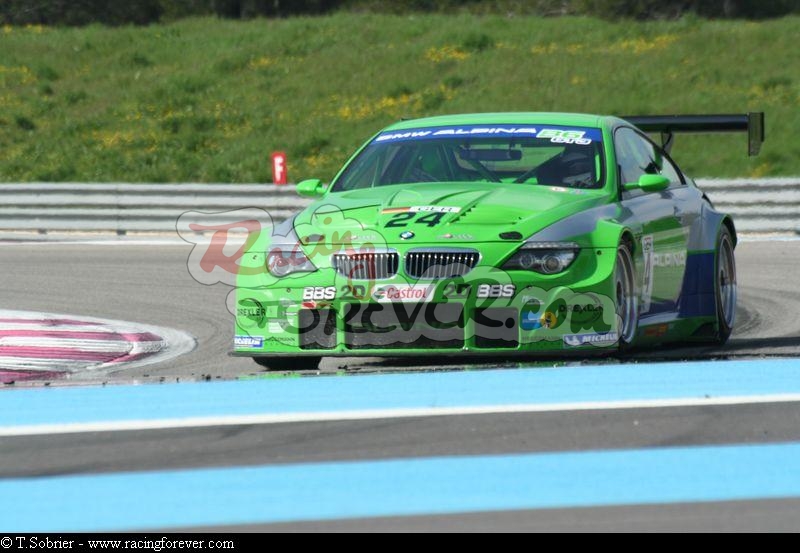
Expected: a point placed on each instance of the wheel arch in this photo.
(626, 236)
(727, 220)
(704, 232)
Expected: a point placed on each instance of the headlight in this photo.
(284, 260)
(543, 257)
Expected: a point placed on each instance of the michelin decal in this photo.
(606, 339)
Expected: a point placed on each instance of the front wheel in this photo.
(725, 285)
(625, 296)
(304, 363)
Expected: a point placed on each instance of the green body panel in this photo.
(485, 210)
(533, 312)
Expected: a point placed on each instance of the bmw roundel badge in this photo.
(406, 235)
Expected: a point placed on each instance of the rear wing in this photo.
(668, 125)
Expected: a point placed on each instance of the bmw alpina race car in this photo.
(497, 233)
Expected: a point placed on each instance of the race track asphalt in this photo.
(152, 284)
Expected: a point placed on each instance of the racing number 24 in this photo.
(402, 219)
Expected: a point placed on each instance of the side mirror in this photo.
(649, 183)
(313, 188)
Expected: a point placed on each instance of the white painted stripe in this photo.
(769, 238)
(372, 414)
(32, 242)
(173, 344)
(31, 364)
(39, 327)
(104, 346)
(93, 346)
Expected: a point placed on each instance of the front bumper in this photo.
(485, 311)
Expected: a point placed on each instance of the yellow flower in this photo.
(444, 53)
(760, 170)
(112, 139)
(641, 45)
(263, 61)
(359, 109)
(544, 48)
(22, 73)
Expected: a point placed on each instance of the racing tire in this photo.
(724, 285)
(625, 299)
(304, 363)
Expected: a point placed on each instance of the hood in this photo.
(441, 212)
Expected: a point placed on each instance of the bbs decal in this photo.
(319, 293)
(496, 291)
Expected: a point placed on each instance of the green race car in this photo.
(496, 233)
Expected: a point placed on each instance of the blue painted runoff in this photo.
(320, 491)
(645, 381)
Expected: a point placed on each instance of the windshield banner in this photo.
(553, 133)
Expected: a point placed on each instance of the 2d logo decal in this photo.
(606, 339)
(549, 320)
(558, 136)
(252, 342)
(670, 259)
(319, 293)
(529, 315)
(402, 293)
(496, 291)
(649, 263)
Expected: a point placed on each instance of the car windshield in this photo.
(548, 155)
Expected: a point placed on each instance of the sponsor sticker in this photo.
(649, 262)
(251, 308)
(496, 291)
(529, 316)
(554, 133)
(456, 131)
(254, 342)
(670, 259)
(422, 209)
(319, 293)
(582, 314)
(461, 236)
(605, 339)
(565, 136)
(402, 293)
(549, 320)
(434, 209)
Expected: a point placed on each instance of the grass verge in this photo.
(207, 100)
